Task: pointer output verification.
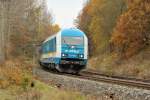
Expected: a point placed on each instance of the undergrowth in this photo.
(137, 66)
(15, 72)
(18, 83)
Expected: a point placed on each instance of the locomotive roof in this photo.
(67, 32)
(50, 37)
(72, 32)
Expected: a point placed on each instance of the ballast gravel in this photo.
(99, 89)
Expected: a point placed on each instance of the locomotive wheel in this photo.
(43, 66)
(58, 68)
(51, 66)
(72, 70)
(77, 68)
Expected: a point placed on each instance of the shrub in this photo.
(132, 32)
(13, 73)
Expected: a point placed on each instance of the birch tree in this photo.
(22, 23)
(4, 6)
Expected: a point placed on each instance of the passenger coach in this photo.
(66, 51)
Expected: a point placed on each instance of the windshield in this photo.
(72, 40)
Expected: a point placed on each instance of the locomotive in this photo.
(66, 51)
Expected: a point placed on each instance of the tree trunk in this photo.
(2, 30)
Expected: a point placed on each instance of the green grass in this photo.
(9, 93)
(56, 94)
(41, 91)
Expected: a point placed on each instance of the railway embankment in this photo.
(99, 89)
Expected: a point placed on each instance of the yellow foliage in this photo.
(97, 20)
(11, 73)
(132, 31)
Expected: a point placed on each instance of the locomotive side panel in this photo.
(49, 49)
(67, 51)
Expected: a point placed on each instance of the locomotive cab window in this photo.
(73, 40)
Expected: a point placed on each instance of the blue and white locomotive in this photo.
(66, 51)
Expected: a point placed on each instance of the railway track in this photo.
(95, 76)
(94, 83)
(116, 80)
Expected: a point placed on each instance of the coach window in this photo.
(54, 44)
(50, 45)
(47, 48)
(44, 50)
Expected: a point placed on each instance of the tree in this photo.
(23, 23)
(97, 20)
(4, 6)
(132, 32)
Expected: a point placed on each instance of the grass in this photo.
(57, 94)
(138, 66)
(15, 84)
(41, 91)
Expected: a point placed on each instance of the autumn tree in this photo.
(97, 19)
(28, 22)
(132, 32)
(4, 27)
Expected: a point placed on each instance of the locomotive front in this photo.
(74, 50)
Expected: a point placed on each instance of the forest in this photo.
(119, 36)
(24, 24)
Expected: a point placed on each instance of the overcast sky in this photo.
(65, 11)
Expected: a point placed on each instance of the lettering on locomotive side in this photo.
(72, 51)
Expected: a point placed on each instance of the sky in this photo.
(65, 11)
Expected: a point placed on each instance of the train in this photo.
(65, 51)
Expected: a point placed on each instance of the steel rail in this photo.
(128, 82)
(95, 76)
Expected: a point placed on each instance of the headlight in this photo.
(64, 55)
(81, 56)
